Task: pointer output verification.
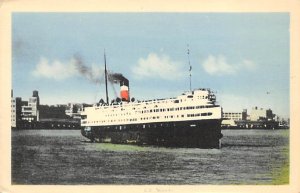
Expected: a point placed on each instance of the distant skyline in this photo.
(243, 57)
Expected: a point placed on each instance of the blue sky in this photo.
(243, 57)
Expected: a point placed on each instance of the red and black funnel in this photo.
(124, 92)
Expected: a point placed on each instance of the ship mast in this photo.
(190, 69)
(105, 71)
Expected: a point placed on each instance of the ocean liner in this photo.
(192, 119)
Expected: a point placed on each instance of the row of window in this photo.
(26, 113)
(232, 113)
(27, 108)
(28, 118)
(120, 127)
(177, 109)
(229, 116)
(176, 100)
(148, 118)
(199, 114)
(113, 115)
(161, 110)
(236, 116)
(181, 108)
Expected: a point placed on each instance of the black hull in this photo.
(200, 134)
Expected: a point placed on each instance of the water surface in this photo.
(65, 157)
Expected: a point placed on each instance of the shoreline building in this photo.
(32, 115)
(236, 116)
(30, 112)
(231, 118)
(24, 111)
(74, 110)
(259, 118)
(16, 110)
(261, 114)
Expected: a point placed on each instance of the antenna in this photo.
(190, 69)
(105, 77)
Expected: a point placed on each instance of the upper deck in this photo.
(203, 96)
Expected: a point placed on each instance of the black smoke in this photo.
(88, 73)
(118, 78)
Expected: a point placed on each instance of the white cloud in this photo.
(218, 65)
(59, 70)
(249, 65)
(158, 66)
(56, 70)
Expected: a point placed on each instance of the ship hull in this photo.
(198, 133)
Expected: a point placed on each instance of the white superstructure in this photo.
(193, 105)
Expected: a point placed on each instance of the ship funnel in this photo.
(124, 86)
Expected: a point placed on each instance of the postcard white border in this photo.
(8, 7)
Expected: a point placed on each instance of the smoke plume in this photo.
(97, 77)
(116, 77)
(87, 72)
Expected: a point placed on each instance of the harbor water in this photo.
(65, 157)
